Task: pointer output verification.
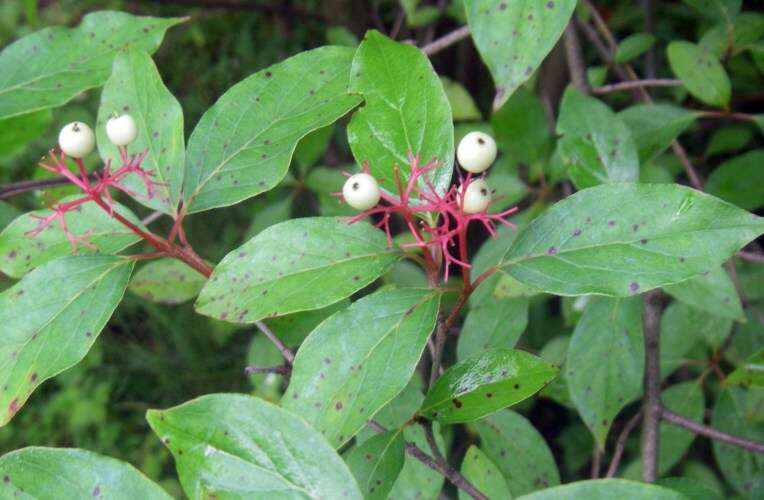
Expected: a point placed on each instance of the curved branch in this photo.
(446, 40)
(710, 432)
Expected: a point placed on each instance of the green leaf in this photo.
(49, 67)
(17, 132)
(294, 328)
(20, 253)
(606, 489)
(135, 87)
(462, 105)
(521, 127)
(689, 488)
(623, 239)
(513, 37)
(479, 470)
(51, 318)
(633, 46)
(605, 361)
(406, 111)
(311, 147)
(751, 373)
(682, 328)
(376, 463)
(700, 72)
(729, 139)
(740, 180)
(7, 214)
(359, 359)
(556, 351)
(685, 399)
(167, 281)
(716, 9)
(655, 126)
(492, 322)
(712, 292)
(742, 469)
(237, 446)
(597, 144)
(519, 451)
(51, 473)
(243, 144)
(272, 274)
(485, 383)
(324, 181)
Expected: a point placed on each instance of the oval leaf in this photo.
(740, 180)
(605, 361)
(406, 111)
(492, 322)
(51, 319)
(20, 253)
(596, 144)
(479, 470)
(359, 359)
(72, 473)
(606, 489)
(513, 37)
(701, 73)
(655, 126)
(243, 144)
(485, 383)
(232, 445)
(623, 239)
(376, 463)
(712, 292)
(519, 451)
(167, 281)
(49, 67)
(271, 274)
(135, 87)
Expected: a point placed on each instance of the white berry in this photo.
(476, 197)
(476, 152)
(361, 191)
(76, 140)
(121, 130)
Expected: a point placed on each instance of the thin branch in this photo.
(14, 188)
(288, 355)
(596, 461)
(153, 216)
(651, 405)
(446, 40)
(620, 444)
(281, 370)
(751, 256)
(575, 60)
(441, 467)
(741, 117)
(710, 432)
(629, 85)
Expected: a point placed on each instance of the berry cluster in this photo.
(462, 204)
(76, 140)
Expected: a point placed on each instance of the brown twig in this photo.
(14, 188)
(620, 444)
(596, 461)
(285, 351)
(446, 40)
(281, 370)
(575, 59)
(751, 256)
(632, 84)
(651, 405)
(710, 432)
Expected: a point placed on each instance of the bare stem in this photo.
(751, 256)
(629, 85)
(651, 405)
(14, 188)
(281, 370)
(621, 443)
(710, 432)
(288, 355)
(446, 40)
(575, 60)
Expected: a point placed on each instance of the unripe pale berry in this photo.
(121, 130)
(476, 152)
(76, 140)
(476, 197)
(361, 191)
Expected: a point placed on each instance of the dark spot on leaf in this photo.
(643, 241)
(634, 286)
(338, 405)
(516, 386)
(552, 251)
(503, 6)
(550, 4)
(456, 403)
(611, 223)
(268, 74)
(489, 395)
(12, 254)
(33, 377)
(577, 232)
